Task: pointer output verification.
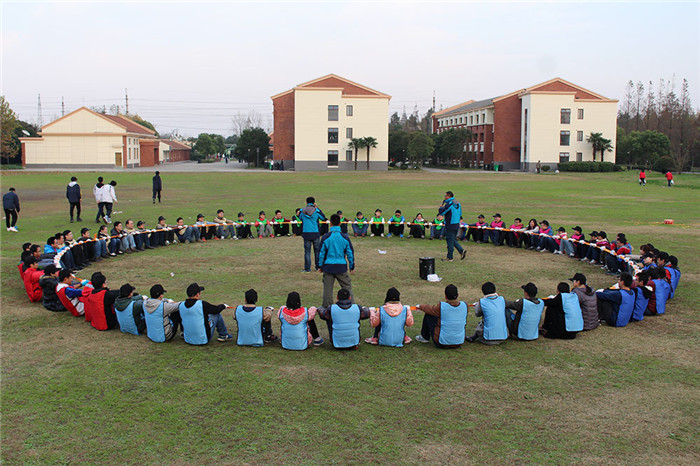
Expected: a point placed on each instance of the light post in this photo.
(257, 149)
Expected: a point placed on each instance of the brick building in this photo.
(315, 121)
(546, 123)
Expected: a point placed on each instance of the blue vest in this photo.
(663, 290)
(193, 323)
(675, 278)
(126, 319)
(249, 331)
(626, 308)
(529, 326)
(346, 326)
(295, 337)
(573, 318)
(452, 322)
(494, 310)
(392, 331)
(154, 324)
(640, 305)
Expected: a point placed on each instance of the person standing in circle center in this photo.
(337, 256)
(310, 216)
(452, 211)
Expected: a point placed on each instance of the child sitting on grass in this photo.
(295, 323)
(254, 326)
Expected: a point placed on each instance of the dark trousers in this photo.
(280, 229)
(427, 330)
(452, 244)
(313, 329)
(156, 192)
(607, 312)
(512, 239)
(10, 217)
(73, 206)
(477, 234)
(177, 322)
(418, 231)
(496, 237)
(108, 209)
(555, 325)
(308, 244)
(395, 229)
(377, 229)
(296, 229)
(243, 231)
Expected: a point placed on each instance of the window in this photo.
(348, 155)
(460, 120)
(579, 136)
(348, 133)
(565, 116)
(477, 119)
(564, 138)
(348, 110)
(471, 120)
(563, 157)
(483, 118)
(332, 135)
(579, 156)
(580, 114)
(332, 113)
(129, 153)
(332, 158)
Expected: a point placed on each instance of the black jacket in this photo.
(73, 192)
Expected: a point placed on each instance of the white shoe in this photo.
(382, 235)
(13, 229)
(167, 243)
(557, 252)
(369, 235)
(9, 229)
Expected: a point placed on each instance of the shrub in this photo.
(545, 168)
(589, 167)
(664, 164)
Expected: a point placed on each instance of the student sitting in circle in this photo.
(343, 320)
(162, 315)
(563, 318)
(129, 310)
(444, 322)
(417, 226)
(615, 307)
(493, 329)
(254, 327)
(437, 230)
(376, 224)
(390, 320)
(294, 319)
(396, 224)
(359, 227)
(524, 323)
(200, 317)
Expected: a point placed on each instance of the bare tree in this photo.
(639, 104)
(252, 119)
(651, 117)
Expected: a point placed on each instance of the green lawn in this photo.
(72, 394)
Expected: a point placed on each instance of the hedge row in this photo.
(589, 167)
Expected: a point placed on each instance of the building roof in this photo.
(176, 144)
(556, 84)
(130, 125)
(332, 81)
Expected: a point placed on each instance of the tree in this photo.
(369, 142)
(600, 144)
(253, 145)
(398, 142)
(356, 144)
(419, 147)
(243, 121)
(8, 124)
(451, 145)
(204, 146)
(137, 119)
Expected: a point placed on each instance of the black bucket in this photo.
(426, 266)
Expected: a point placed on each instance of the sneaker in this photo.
(382, 235)
(371, 235)
(318, 341)
(79, 219)
(112, 254)
(593, 261)
(406, 339)
(584, 259)
(421, 339)
(388, 235)
(14, 229)
(572, 255)
(167, 243)
(227, 337)
(447, 260)
(400, 236)
(305, 271)
(557, 252)
(235, 237)
(372, 341)
(71, 220)
(544, 250)
(108, 220)
(271, 338)
(9, 229)
(463, 254)
(260, 237)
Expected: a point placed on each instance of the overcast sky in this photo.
(192, 66)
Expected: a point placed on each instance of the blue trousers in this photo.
(451, 238)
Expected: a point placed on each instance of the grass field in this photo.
(72, 394)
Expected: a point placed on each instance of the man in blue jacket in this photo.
(452, 211)
(336, 253)
(310, 216)
(10, 203)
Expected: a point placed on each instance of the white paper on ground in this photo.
(381, 251)
(432, 277)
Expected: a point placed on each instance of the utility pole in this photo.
(433, 100)
(39, 118)
(63, 107)
(126, 98)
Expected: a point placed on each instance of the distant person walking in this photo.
(538, 167)
(10, 202)
(310, 216)
(157, 187)
(101, 195)
(452, 211)
(642, 178)
(74, 197)
(669, 178)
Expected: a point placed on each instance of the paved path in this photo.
(174, 167)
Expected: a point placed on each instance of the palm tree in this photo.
(369, 142)
(601, 144)
(356, 144)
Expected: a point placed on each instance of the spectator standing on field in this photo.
(642, 178)
(101, 194)
(669, 178)
(157, 186)
(74, 196)
(10, 202)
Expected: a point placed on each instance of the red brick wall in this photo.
(347, 88)
(179, 155)
(507, 129)
(148, 152)
(283, 121)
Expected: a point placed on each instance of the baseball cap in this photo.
(593, 233)
(481, 216)
(193, 289)
(578, 277)
(157, 290)
(496, 215)
(578, 228)
(530, 289)
(125, 290)
(561, 229)
(84, 230)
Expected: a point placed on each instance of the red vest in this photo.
(95, 309)
(67, 303)
(21, 272)
(31, 284)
